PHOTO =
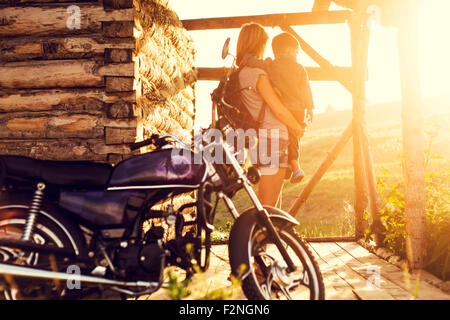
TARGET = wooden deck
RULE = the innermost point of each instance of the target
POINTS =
(350, 272)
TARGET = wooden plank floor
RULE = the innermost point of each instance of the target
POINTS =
(350, 272)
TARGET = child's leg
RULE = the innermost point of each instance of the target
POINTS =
(294, 164)
(292, 152)
(294, 155)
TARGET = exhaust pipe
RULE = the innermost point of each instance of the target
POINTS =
(19, 271)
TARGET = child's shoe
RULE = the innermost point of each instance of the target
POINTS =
(297, 176)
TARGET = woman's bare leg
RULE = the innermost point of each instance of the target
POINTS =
(269, 189)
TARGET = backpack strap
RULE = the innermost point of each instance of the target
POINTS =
(262, 112)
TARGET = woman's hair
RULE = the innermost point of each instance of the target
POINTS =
(252, 40)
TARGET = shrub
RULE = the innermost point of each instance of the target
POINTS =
(437, 219)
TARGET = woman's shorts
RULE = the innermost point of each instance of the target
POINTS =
(270, 154)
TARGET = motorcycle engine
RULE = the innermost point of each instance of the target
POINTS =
(141, 260)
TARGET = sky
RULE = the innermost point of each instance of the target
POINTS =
(333, 43)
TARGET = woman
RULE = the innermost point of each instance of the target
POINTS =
(257, 90)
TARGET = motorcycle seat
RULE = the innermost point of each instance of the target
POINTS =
(80, 174)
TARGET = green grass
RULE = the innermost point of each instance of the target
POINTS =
(328, 211)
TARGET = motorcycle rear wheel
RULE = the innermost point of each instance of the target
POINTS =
(48, 231)
(257, 262)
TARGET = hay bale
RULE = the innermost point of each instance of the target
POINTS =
(166, 75)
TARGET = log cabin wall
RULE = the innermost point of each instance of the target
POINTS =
(80, 79)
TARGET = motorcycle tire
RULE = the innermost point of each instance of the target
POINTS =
(51, 228)
(257, 262)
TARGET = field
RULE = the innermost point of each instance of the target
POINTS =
(329, 209)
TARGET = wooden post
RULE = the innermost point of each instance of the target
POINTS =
(360, 203)
(362, 154)
(413, 138)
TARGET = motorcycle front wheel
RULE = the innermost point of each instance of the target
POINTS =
(257, 262)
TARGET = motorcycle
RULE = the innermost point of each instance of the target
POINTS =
(104, 225)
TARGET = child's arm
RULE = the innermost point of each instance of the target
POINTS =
(267, 92)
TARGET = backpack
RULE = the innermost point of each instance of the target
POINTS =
(235, 111)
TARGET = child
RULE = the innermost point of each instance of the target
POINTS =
(290, 80)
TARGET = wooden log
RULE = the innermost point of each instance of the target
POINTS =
(129, 123)
(38, 2)
(116, 84)
(102, 149)
(57, 19)
(119, 135)
(324, 166)
(117, 4)
(59, 99)
(48, 74)
(118, 55)
(314, 73)
(117, 69)
(118, 29)
(55, 149)
(120, 110)
(269, 20)
(114, 158)
(60, 73)
(41, 125)
(60, 124)
(25, 48)
(413, 140)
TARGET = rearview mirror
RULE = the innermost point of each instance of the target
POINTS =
(226, 48)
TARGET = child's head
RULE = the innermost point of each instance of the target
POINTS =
(284, 43)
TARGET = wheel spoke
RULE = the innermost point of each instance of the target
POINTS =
(268, 262)
(286, 293)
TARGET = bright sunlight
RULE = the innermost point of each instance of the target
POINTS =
(332, 42)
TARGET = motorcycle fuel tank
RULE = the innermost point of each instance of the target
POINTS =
(166, 167)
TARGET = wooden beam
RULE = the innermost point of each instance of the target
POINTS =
(270, 20)
(325, 165)
(321, 61)
(314, 73)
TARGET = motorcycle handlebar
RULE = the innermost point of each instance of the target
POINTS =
(146, 142)
(156, 140)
